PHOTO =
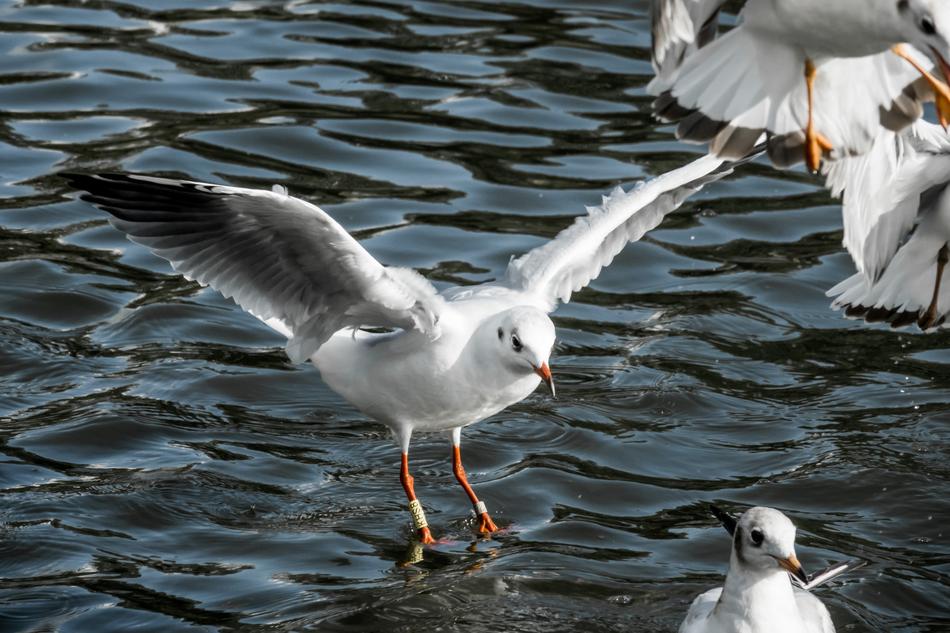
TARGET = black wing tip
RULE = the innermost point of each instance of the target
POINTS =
(102, 182)
(111, 178)
(100, 188)
(75, 179)
(894, 317)
(89, 185)
(129, 183)
(147, 198)
(736, 144)
(102, 175)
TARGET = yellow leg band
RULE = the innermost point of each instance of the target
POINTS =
(418, 516)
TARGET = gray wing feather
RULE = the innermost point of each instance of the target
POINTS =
(280, 258)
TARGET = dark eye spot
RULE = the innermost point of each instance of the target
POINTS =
(516, 343)
(501, 334)
(757, 537)
(927, 25)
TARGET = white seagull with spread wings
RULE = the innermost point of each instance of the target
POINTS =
(818, 77)
(452, 358)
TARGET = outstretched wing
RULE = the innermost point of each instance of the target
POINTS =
(577, 254)
(282, 259)
(882, 191)
(678, 27)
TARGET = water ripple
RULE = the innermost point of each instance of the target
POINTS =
(164, 467)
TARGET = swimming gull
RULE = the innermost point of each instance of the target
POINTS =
(811, 581)
(758, 595)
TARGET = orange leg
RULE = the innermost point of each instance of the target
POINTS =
(415, 508)
(815, 143)
(940, 89)
(486, 526)
(929, 318)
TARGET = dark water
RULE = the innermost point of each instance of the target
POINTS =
(165, 468)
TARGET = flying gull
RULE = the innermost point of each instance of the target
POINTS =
(818, 77)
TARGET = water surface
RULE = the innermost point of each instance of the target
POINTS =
(163, 466)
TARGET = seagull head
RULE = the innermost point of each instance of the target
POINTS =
(764, 542)
(525, 338)
(926, 25)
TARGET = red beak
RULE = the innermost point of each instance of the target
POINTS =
(545, 372)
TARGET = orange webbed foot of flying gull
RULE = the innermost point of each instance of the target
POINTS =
(816, 144)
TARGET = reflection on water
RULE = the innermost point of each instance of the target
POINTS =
(162, 458)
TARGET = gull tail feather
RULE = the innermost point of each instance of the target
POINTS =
(902, 293)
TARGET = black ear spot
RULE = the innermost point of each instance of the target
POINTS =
(903, 5)
(757, 537)
(501, 334)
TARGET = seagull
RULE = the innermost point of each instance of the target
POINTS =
(897, 228)
(448, 359)
(860, 61)
(758, 595)
(818, 579)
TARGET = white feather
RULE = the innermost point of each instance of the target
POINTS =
(555, 270)
(882, 191)
(907, 283)
(280, 258)
(896, 218)
(675, 30)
